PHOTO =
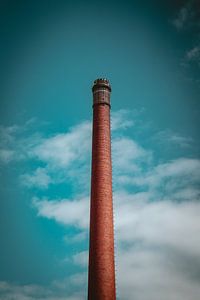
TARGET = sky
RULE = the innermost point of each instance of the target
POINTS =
(51, 52)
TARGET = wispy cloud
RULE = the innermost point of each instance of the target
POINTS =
(156, 228)
(64, 211)
(176, 174)
(194, 53)
(121, 119)
(193, 56)
(182, 17)
(160, 252)
(6, 155)
(16, 142)
(7, 138)
(71, 288)
(63, 156)
(170, 138)
(75, 237)
(127, 154)
(187, 22)
(39, 178)
(156, 212)
(81, 258)
(188, 16)
(62, 150)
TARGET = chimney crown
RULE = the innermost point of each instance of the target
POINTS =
(101, 83)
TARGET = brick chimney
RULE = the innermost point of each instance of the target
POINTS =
(101, 278)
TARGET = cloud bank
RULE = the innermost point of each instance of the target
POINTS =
(156, 208)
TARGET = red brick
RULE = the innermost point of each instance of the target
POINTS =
(101, 278)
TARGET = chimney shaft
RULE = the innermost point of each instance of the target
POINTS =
(101, 279)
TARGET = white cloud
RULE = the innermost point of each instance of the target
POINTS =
(191, 61)
(188, 16)
(65, 156)
(192, 57)
(70, 151)
(7, 134)
(121, 120)
(194, 54)
(75, 238)
(158, 223)
(81, 258)
(72, 287)
(179, 167)
(64, 149)
(148, 274)
(158, 247)
(168, 137)
(64, 211)
(127, 158)
(10, 291)
(76, 280)
(15, 144)
(187, 20)
(156, 229)
(39, 178)
(156, 216)
(6, 155)
(173, 175)
(182, 17)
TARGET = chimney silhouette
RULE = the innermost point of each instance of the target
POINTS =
(101, 277)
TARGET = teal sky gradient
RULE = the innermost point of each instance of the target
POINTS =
(51, 52)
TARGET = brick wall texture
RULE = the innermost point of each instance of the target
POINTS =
(101, 279)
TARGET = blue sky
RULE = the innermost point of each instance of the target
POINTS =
(51, 52)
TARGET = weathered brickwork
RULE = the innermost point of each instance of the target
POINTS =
(101, 284)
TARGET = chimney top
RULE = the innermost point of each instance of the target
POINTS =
(101, 83)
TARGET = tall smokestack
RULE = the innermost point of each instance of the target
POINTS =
(101, 279)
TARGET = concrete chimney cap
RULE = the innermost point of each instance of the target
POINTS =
(101, 82)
